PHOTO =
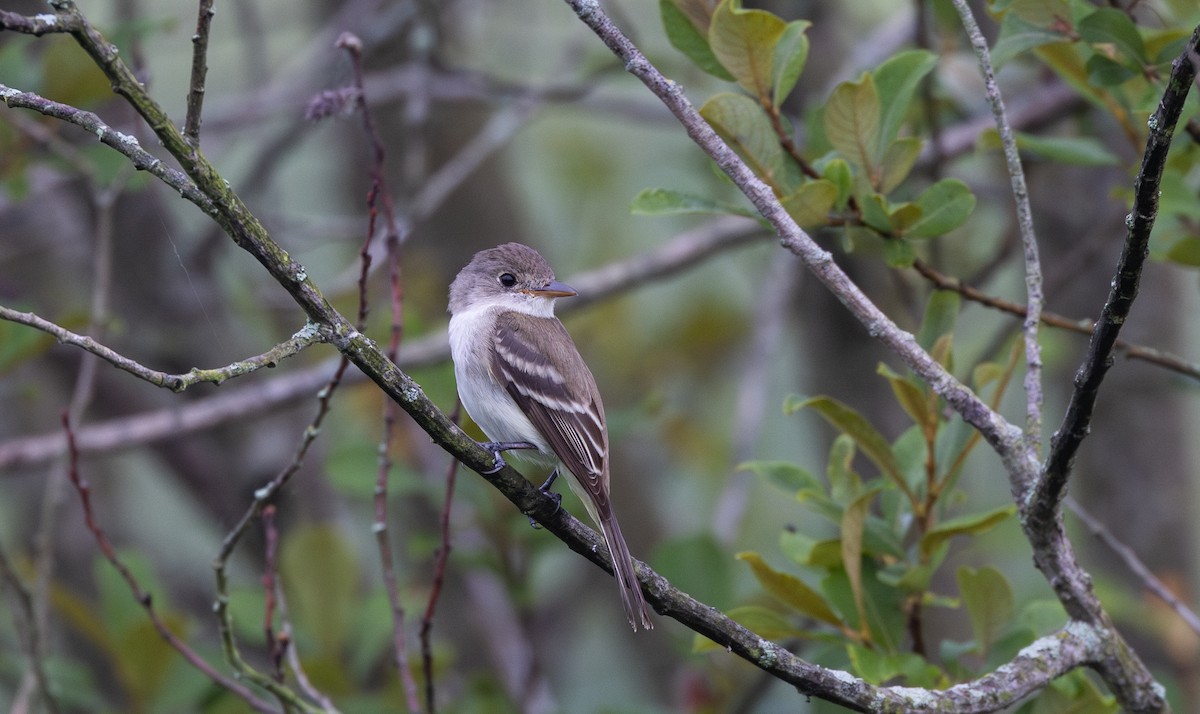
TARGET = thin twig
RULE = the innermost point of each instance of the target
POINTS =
(1135, 565)
(195, 97)
(1033, 267)
(142, 597)
(439, 577)
(276, 647)
(1160, 358)
(23, 615)
(380, 195)
(306, 336)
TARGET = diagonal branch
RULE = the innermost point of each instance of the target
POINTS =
(1045, 499)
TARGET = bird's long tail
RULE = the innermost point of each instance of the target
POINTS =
(636, 608)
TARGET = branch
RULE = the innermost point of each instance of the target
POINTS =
(195, 98)
(1135, 565)
(125, 144)
(175, 382)
(1043, 502)
(1163, 359)
(1033, 267)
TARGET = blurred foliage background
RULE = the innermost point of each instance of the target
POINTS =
(556, 141)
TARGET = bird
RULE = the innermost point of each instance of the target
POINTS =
(524, 383)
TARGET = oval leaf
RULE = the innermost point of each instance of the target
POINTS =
(790, 590)
(784, 474)
(689, 39)
(989, 601)
(810, 204)
(971, 524)
(854, 425)
(665, 202)
(852, 122)
(946, 205)
(744, 43)
(791, 54)
(896, 81)
(743, 125)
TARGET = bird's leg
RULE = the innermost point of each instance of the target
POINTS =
(496, 447)
(556, 497)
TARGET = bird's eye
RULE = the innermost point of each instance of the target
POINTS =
(508, 280)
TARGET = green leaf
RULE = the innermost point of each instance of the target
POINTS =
(911, 397)
(1105, 72)
(878, 668)
(1077, 150)
(810, 204)
(690, 40)
(1050, 14)
(790, 590)
(1112, 34)
(744, 125)
(897, 163)
(876, 212)
(903, 216)
(837, 172)
(851, 423)
(1185, 251)
(1018, 36)
(897, 80)
(804, 550)
(971, 524)
(852, 122)
(941, 312)
(899, 253)
(989, 602)
(845, 484)
(791, 54)
(784, 474)
(666, 202)
(320, 573)
(853, 521)
(744, 41)
(946, 205)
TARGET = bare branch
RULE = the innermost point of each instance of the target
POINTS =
(1045, 499)
(1160, 358)
(195, 98)
(125, 144)
(307, 336)
(1033, 266)
(1135, 565)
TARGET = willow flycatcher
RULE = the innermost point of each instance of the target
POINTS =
(522, 380)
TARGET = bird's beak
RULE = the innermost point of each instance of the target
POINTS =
(553, 289)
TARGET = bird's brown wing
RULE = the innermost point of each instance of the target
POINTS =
(536, 360)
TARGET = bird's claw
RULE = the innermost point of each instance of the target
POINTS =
(498, 447)
(556, 497)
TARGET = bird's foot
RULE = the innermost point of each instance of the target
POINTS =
(556, 497)
(497, 447)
